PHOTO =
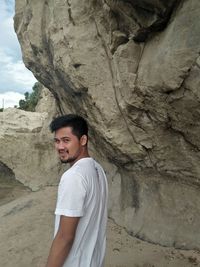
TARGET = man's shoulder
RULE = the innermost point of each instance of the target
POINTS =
(82, 165)
(70, 173)
(82, 168)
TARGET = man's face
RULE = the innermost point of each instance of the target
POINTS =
(68, 145)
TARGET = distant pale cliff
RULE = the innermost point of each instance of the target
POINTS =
(132, 68)
(26, 146)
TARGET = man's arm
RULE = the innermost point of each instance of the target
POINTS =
(63, 241)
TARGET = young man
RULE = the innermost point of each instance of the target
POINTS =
(81, 210)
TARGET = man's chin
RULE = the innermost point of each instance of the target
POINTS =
(69, 160)
(64, 161)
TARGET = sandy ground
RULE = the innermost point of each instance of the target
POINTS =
(8, 193)
(124, 250)
(26, 228)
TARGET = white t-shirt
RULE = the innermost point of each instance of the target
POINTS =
(83, 192)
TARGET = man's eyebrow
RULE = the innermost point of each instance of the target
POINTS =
(62, 138)
(65, 137)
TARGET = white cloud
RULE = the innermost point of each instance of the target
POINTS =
(8, 41)
(13, 74)
(10, 99)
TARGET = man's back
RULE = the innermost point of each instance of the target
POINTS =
(83, 192)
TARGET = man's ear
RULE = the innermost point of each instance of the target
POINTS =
(84, 140)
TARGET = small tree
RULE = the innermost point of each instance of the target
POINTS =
(31, 99)
(26, 96)
(23, 104)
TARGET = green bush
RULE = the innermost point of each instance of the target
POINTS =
(31, 99)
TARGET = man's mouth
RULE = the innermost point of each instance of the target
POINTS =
(63, 153)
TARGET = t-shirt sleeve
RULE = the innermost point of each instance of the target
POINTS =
(71, 196)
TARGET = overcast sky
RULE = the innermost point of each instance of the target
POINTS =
(15, 79)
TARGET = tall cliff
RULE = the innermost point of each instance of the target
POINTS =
(132, 68)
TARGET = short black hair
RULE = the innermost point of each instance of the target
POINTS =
(77, 123)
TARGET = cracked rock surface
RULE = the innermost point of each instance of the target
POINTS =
(132, 69)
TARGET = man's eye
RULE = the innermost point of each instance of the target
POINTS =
(65, 140)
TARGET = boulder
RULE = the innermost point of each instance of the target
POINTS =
(131, 68)
(27, 149)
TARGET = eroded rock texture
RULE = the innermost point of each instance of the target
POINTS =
(132, 69)
(26, 148)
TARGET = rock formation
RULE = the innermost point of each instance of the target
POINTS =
(27, 151)
(132, 68)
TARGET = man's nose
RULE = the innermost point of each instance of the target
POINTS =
(60, 145)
